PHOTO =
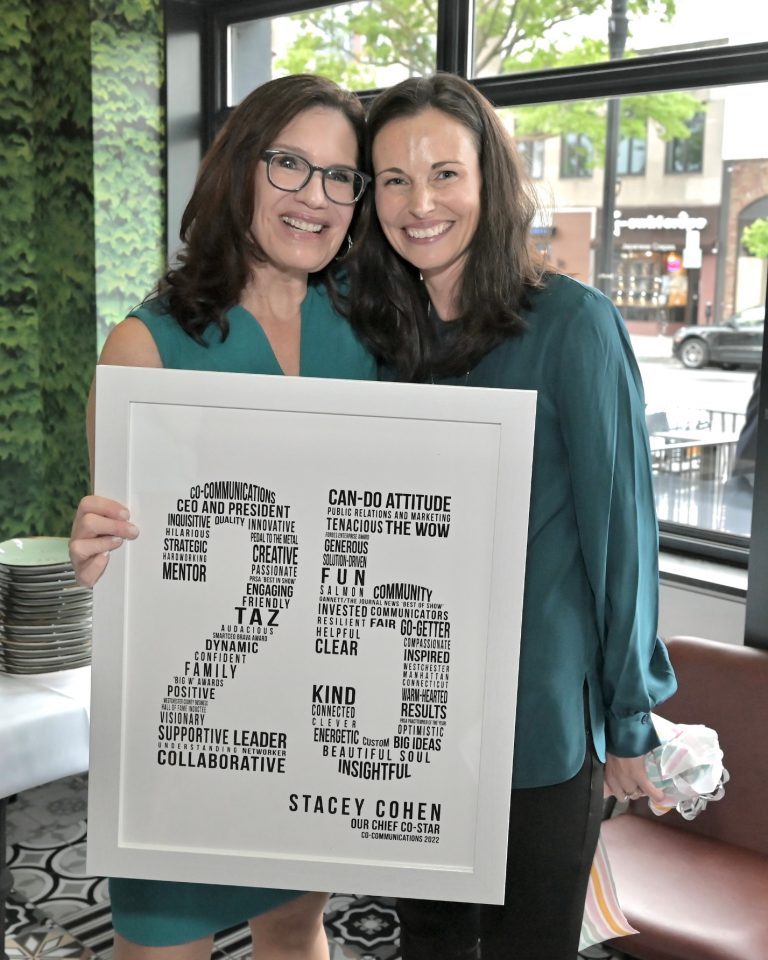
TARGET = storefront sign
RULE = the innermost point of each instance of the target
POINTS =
(305, 667)
(657, 222)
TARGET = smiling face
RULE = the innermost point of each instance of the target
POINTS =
(301, 232)
(428, 185)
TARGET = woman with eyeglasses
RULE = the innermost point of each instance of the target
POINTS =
(255, 290)
(450, 290)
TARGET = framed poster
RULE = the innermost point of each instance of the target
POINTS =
(305, 667)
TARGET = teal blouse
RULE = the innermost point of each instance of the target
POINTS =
(591, 586)
(328, 346)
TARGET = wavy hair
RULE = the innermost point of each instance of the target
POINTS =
(389, 304)
(219, 247)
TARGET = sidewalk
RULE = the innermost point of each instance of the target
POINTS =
(651, 347)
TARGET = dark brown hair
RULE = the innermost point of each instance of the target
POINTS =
(389, 303)
(219, 247)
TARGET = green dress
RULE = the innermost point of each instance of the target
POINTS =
(590, 605)
(161, 913)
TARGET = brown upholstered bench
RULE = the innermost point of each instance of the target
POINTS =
(698, 890)
(690, 896)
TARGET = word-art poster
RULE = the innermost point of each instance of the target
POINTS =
(305, 666)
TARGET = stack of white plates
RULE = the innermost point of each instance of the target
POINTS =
(45, 617)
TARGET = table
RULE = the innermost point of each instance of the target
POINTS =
(44, 726)
(708, 451)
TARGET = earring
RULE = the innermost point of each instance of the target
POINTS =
(343, 256)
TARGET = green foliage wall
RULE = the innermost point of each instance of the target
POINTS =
(47, 329)
(63, 171)
(128, 154)
(20, 397)
(53, 232)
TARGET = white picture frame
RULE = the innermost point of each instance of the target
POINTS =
(254, 724)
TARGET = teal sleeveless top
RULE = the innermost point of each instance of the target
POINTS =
(161, 913)
(329, 348)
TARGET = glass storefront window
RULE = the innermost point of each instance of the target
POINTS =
(362, 46)
(630, 160)
(687, 269)
(686, 154)
(512, 37)
(576, 155)
(532, 152)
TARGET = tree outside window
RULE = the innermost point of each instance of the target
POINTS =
(363, 45)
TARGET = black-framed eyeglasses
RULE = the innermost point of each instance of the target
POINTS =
(288, 172)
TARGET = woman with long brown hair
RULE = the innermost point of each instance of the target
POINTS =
(447, 289)
(255, 291)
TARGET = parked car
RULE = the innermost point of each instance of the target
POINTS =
(737, 342)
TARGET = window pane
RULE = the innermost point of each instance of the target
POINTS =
(576, 155)
(359, 45)
(686, 266)
(630, 161)
(532, 152)
(510, 37)
(686, 154)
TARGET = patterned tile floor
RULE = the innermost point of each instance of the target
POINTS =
(56, 912)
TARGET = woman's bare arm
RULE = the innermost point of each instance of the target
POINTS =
(101, 524)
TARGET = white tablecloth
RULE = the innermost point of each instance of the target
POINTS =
(44, 721)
